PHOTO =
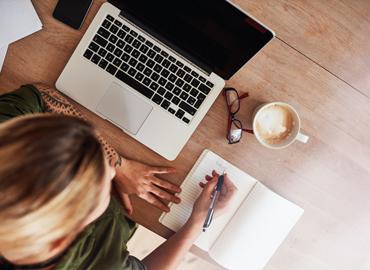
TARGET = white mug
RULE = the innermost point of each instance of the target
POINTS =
(295, 133)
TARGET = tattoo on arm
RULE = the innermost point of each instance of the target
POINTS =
(55, 102)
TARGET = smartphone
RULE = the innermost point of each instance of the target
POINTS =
(72, 12)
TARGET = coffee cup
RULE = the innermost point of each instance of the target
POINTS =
(276, 125)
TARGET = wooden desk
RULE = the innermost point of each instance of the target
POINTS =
(329, 177)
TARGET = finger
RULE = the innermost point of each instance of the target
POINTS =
(210, 187)
(127, 203)
(165, 184)
(164, 195)
(208, 177)
(215, 174)
(155, 201)
(161, 170)
(202, 185)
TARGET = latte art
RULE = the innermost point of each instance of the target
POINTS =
(274, 124)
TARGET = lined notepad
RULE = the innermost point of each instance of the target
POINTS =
(257, 222)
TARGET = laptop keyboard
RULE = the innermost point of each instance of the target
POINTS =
(163, 78)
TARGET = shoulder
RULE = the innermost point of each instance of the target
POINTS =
(24, 100)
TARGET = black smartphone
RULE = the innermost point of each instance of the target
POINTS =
(72, 12)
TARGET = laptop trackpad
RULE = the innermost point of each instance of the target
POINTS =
(124, 108)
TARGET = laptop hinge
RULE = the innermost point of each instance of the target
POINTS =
(165, 42)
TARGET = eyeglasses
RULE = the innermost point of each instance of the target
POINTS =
(234, 127)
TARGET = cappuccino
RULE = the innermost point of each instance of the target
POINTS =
(274, 124)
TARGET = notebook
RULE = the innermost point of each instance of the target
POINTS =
(256, 224)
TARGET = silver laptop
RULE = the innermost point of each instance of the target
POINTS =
(154, 68)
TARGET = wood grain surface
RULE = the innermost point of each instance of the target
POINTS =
(325, 79)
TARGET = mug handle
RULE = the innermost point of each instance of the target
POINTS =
(302, 138)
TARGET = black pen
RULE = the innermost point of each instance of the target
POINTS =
(212, 207)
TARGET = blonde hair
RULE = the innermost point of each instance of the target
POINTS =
(51, 172)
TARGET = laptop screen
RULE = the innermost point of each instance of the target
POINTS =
(212, 33)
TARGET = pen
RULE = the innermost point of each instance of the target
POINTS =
(212, 207)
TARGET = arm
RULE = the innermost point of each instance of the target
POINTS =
(169, 255)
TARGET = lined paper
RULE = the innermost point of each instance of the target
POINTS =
(180, 213)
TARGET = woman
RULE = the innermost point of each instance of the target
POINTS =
(56, 208)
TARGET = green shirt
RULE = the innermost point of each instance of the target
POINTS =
(102, 245)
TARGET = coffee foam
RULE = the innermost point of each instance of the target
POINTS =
(274, 124)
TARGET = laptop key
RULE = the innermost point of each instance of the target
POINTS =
(194, 92)
(110, 47)
(157, 99)
(179, 82)
(111, 69)
(132, 62)
(114, 29)
(141, 38)
(186, 87)
(126, 28)
(187, 69)
(172, 59)
(106, 24)
(165, 73)
(118, 23)
(151, 53)
(188, 78)
(180, 73)
(168, 95)
(156, 48)
(144, 48)
(154, 86)
(132, 32)
(94, 47)
(140, 67)
(176, 91)
(117, 62)
(166, 63)
(209, 84)
(103, 32)
(191, 100)
(147, 71)
(157, 68)
(186, 107)
(195, 82)
(164, 54)
(136, 44)
(150, 63)
(180, 113)
(113, 39)
(120, 43)
(175, 100)
(129, 39)
(121, 34)
(172, 78)
(161, 91)
(132, 71)
(148, 43)
(202, 79)
(88, 53)
(194, 74)
(155, 76)
(135, 53)
(169, 86)
(158, 58)
(184, 96)
(162, 81)
(95, 59)
(171, 110)
(179, 64)
(102, 52)
(147, 81)
(103, 63)
(204, 89)
(125, 66)
(139, 76)
(143, 58)
(118, 52)
(173, 68)
(125, 57)
(128, 48)
(200, 100)
(109, 17)
(99, 40)
(165, 104)
(134, 84)
(109, 57)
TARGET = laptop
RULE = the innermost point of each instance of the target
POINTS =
(154, 68)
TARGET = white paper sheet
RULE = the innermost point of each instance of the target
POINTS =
(18, 19)
(190, 191)
(3, 51)
(256, 230)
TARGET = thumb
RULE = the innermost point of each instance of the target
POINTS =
(210, 186)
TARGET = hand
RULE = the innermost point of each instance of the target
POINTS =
(133, 177)
(201, 205)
